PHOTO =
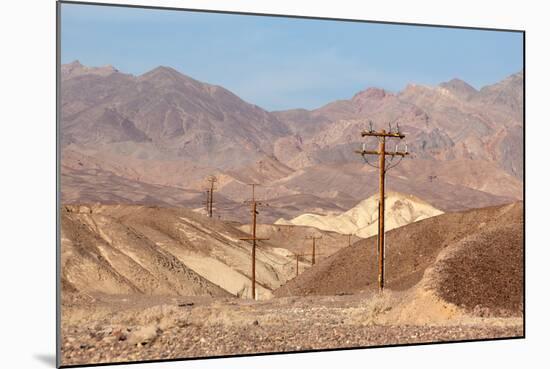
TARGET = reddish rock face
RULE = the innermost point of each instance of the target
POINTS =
(370, 93)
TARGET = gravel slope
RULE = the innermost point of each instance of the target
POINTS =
(486, 260)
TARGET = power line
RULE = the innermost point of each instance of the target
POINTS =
(269, 258)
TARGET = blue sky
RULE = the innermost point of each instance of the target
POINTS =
(283, 63)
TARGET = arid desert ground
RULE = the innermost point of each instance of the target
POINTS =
(147, 274)
(168, 283)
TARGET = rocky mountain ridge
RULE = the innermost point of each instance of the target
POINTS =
(160, 134)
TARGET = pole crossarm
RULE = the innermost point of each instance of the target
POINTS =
(382, 134)
(390, 153)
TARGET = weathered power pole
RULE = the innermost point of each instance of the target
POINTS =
(382, 153)
(297, 265)
(349, 239)
(210, 198)
(298, 256)
(207, 202)
(253, 208)
(313, 238)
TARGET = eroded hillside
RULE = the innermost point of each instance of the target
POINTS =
(362, 219)
(470, 259)
(161, 251)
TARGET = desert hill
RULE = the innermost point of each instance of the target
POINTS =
(101, 257)
(121, 249)
(471, 259)
(292, 238)
(362, 219)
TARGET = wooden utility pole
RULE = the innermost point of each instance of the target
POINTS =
(382, 153)
(210, 198)
(298, 256)
(313, 238)
(297, 265)
(207, 202)
(253, 208)
(349, 239)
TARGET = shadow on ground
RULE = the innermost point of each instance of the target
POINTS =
(48, 359)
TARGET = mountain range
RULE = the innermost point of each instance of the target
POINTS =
(153, 139)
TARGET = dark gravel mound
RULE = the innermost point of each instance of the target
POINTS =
(411, 249)
(485, 274)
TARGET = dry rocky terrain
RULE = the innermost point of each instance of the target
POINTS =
(145, 274)
(199, 327)
(452, 277)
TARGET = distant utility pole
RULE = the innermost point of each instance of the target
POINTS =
(207, 202)
(210, 197)
(298, 256)
(349, 239)
(313, 238)
(297, 265)
(382, 153)
(253, 208)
